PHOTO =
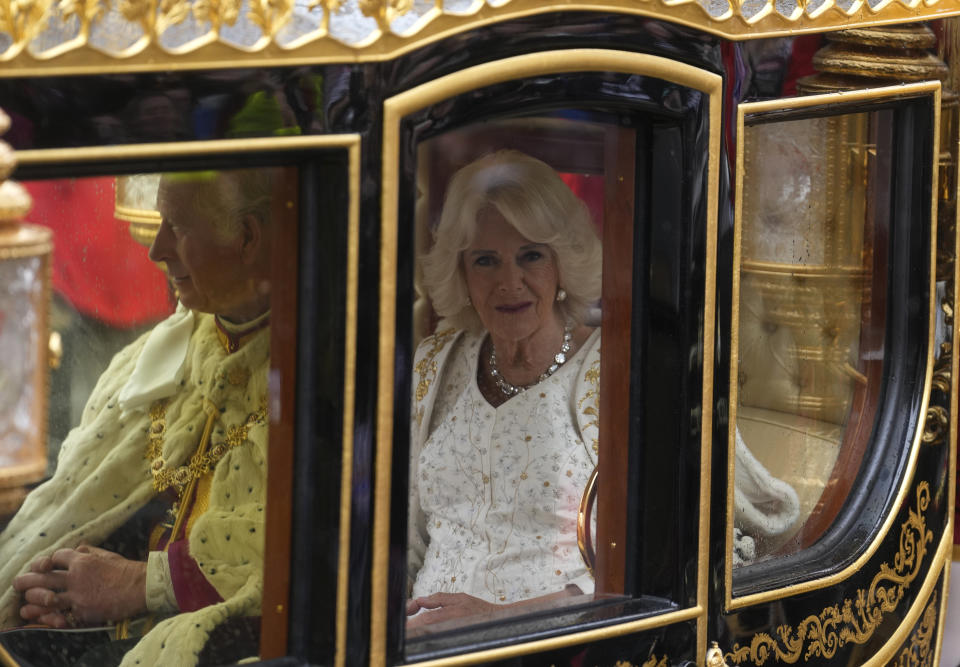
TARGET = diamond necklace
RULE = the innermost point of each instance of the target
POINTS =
(559, 359)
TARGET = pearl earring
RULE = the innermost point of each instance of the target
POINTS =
(469, 302)
(561, 294)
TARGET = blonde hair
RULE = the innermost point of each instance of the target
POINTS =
(533, 198)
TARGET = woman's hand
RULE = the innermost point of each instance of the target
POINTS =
(82, 586)
(445, 606)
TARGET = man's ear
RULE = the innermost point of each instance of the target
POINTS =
(251, 237)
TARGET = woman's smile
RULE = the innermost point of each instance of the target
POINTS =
(514, 308)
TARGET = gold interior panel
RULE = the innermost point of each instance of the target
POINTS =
(809, 319)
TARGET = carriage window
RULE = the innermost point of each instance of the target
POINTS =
(816, 201)
(531, 488)
(158, 425)
(504, 442)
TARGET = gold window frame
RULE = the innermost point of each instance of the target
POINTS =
(433, 92)
(933, 89)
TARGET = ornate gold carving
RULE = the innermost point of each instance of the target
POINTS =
(919, 651)
(858, 58)
(15, 203)
(715, 656)
(21, 21)
(650, 662)
(822, 635)
(384, 11)
(936, 426)
(852, 61)
(911, 36)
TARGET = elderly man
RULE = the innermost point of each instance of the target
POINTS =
(156, 506)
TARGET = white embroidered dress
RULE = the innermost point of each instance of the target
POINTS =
(495, 490)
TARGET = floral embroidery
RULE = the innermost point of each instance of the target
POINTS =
(592, 377)
(498, 489)
(426, 368)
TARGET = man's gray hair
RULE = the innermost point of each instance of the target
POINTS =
(228, 196)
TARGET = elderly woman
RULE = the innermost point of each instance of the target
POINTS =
(156, 506)
(503, 437)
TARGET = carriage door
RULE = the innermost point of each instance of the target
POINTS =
(839, 471)
(637, 138)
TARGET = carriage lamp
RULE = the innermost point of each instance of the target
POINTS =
(136, 203)
(25, 251)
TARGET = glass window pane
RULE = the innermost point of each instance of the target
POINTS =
(545, 495)
(811, 322)
(505, 398)
(154, 511)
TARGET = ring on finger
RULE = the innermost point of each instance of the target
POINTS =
(71, 619)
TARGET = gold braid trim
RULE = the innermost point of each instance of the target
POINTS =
(592, 376)
(426, 368)
(205, 458)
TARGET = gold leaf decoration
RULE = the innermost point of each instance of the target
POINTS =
(650, 662)
(23, 20)
(85, 11)
(172, 12)
(936, 426)
(919, 651)
(218, 12)
(270, 15)
(142, 12)
(822, 635)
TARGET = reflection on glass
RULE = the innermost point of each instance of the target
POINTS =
(152, 524)
(810, 327)
(504, 414)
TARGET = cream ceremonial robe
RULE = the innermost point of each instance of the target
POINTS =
(495, 491)
(103, 477)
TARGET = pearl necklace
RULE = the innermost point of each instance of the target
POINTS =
(559, 359)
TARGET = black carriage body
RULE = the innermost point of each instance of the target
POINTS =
(861, 592)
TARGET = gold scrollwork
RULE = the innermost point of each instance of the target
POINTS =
(384, 11)
(155, 16)
(936, 426)
(823, 634)
(22, 20)
(650, 662)
(919, 651)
